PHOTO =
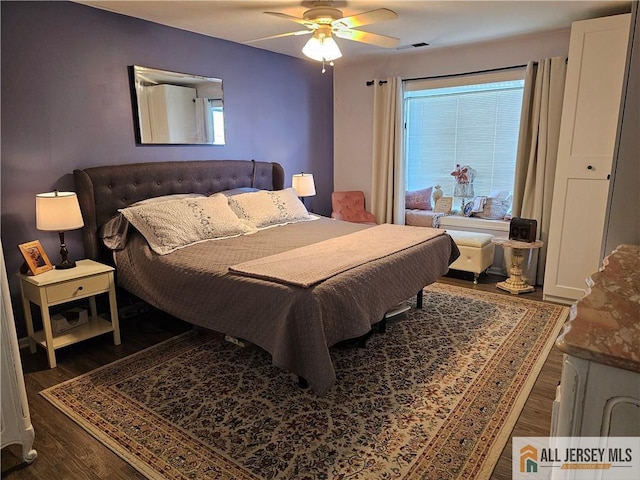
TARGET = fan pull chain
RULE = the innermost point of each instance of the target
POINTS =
(323, 67)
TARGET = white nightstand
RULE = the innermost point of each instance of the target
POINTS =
(55, 287)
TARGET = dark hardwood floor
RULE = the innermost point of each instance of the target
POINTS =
(66, 451)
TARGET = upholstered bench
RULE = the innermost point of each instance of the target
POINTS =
(476, 252)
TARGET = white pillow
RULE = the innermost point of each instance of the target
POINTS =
(265, 208)
(114, 232)
(173, 224)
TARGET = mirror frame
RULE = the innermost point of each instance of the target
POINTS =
(201, 128)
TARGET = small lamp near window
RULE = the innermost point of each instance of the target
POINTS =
(303, 184)
(58, 212)
(465, 175)
(463, 191)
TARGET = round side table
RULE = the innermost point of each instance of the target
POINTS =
(515, 283)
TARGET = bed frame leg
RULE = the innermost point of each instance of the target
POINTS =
(382, 325)
(419, 299)
(302, 382)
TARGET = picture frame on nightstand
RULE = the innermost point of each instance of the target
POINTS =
(35, 258)
(443, 205)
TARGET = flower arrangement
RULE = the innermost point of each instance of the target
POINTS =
(461, 174)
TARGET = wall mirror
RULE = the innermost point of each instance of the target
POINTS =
(178, 108)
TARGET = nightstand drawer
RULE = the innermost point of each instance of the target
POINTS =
(77, 288)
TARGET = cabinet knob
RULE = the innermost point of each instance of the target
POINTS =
(590, 167)
(80, 287)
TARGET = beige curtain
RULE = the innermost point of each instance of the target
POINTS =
(538, 147)
(387, 188)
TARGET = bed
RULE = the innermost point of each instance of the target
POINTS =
(296, 323)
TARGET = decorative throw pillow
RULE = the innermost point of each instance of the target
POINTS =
(418, 199)
(168, 226)
(266, 208)
(494, 209)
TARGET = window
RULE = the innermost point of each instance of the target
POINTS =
(472, 120)
(218, 125)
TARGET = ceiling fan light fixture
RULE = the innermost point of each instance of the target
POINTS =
(313, 49)
(321, 48)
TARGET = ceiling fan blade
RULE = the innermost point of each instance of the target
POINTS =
(366, 18)
(288, 34)
(301, 21)
(367, 37)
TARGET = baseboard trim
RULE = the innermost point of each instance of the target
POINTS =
(557, 299)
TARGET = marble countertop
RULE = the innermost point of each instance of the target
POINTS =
(604, 325)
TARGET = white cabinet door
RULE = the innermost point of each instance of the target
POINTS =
(15, 421)
(596, 400)
(591, 106)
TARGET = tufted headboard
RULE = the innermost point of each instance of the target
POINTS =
(103, 190)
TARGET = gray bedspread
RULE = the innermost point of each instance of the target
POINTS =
(295, 325)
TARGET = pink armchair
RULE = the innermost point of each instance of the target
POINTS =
(349, 206)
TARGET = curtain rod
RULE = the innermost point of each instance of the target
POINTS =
(452, 75)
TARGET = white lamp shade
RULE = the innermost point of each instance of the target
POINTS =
(322, 49)
(331, 51)
(313, 49)
(58, 211)
(303, 184)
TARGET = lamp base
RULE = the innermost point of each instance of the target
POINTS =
(65, 264)
(462, 203)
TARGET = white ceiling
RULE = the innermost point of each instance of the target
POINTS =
(438, 23)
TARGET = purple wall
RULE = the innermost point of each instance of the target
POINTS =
(66, 104)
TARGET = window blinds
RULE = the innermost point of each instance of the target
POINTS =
(474, 124)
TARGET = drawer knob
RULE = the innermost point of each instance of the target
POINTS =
(590, 167)
(80, 287)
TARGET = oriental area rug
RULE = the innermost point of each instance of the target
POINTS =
(435, 396)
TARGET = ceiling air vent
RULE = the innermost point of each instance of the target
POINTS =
(413, 45)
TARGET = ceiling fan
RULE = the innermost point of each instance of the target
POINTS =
(323, 21)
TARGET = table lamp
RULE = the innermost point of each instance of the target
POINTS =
(465, 175)
(303, 185)
(463, 191)
(58, 212)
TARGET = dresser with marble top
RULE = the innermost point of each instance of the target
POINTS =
(599, 393)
